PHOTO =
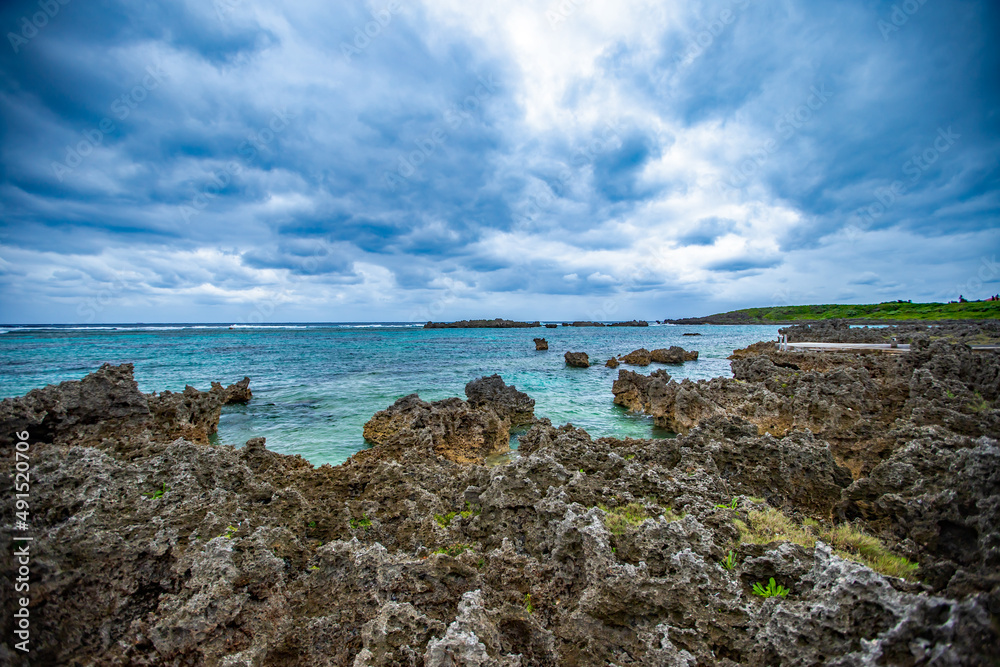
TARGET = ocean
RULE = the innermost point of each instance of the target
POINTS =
(315, 385)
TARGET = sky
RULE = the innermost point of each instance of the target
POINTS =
(264, 161)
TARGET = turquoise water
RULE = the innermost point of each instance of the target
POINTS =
(315, 385)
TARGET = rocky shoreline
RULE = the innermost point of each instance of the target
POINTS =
(866, 485)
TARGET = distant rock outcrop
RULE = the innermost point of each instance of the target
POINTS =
(482, 324)
(631, 323)
(541, 344)
(577, 359)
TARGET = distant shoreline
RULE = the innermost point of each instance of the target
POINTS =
(893, 312)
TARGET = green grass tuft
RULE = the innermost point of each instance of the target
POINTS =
(848, 541)
(619, 520)
(453, 550)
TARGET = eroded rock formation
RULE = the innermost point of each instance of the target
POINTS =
(157, 550)
(577, 359)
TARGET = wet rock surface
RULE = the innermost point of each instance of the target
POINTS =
(580, 551)
(577, 359)
(541, 344)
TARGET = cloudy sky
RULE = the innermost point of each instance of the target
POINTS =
(257, 160)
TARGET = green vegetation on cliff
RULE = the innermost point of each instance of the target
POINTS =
(891, 311)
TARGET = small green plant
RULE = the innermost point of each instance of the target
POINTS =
(314, 567)
(850, 542)
(153, 495)
(527, 603)
(312, 524)
(444, 520)
(230, 531)
(481, 563)
(730, 506)
(364, 523)
(771, 590)
(629, 457)
(624, 517)
(453, 550)
(470, 511)
(854, 544)
(949, 394)
(729, 562)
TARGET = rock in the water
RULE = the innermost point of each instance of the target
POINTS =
(551, 325)
(673, 355)
(612, 363)
(450, 428)
(640, 357)
(236, 393)
(505, 400)
(577, 359)
(632, 390)
(630, 323)
(108, 403)
(541, 344)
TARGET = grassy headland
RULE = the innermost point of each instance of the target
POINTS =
(893, 311)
